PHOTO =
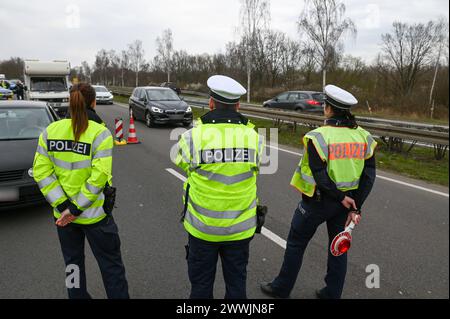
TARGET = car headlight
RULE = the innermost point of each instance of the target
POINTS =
(65, 100)
(189, 110)
(156, 110)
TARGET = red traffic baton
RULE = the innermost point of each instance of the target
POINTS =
(343, 241)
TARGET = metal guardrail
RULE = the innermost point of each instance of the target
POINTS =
(417, 132)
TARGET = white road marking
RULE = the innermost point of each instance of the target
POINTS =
(284, 150)
(176, 174)
(413, 186)
(264, 231)
(379, 176)
(274, 237)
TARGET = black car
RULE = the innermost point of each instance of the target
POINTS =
(302, 101)
(21, 123)
(157, 105)
(172, 86)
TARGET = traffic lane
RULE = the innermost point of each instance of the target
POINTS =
(271, 259)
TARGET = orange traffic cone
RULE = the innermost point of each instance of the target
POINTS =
(132, 138)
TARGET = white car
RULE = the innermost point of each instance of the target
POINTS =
(103, 96)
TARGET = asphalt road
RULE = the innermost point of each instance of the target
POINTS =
(405, 232)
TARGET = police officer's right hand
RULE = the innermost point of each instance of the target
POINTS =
(349, 203)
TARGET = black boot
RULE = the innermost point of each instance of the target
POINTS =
(266, 288)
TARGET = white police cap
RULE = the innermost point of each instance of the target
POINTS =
(225, 90)
(339, 98)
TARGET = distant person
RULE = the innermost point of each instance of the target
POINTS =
(20, 89)
(73, 169)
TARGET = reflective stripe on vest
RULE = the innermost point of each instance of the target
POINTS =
(309, 179)
(54, 194)
(85, 202)
(71, 165)
(222, 231)
(47, 181)
(229, 214)
(321, 140)
(224, 179)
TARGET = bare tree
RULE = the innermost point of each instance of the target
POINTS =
(165, 50)
(323, 23)
(86, 70)
(114, 64)
(441, 31)
(101, 64)
(407, 50)
(255, 17)
(136, 55)
(309, 64)
(124, 65)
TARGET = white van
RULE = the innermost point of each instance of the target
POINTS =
(49, 82)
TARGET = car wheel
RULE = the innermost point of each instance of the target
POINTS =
(187, 124)
(265, 105)
(148, 119)
(298, 109)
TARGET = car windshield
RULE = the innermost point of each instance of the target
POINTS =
(48, 84)
(100, 89)
(162, 95)
(22, 123)
(319, 97)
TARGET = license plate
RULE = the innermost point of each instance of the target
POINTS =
(55, 104)
(9, 194)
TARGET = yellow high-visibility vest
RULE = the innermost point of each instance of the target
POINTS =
(343, 149)
(65, 170)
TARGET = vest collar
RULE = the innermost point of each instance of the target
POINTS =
(224, 116)
(337, 121)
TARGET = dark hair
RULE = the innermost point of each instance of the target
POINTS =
(349, 117)
(81, 96)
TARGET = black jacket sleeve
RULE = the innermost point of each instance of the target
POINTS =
(366, 182)
(320, 174)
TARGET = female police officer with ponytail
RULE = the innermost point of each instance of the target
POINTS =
(72, 166)
(335, 176)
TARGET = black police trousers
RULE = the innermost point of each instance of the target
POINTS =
(104, 240)
(307, 218)
(202, 259)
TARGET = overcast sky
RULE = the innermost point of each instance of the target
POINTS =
(77, 29)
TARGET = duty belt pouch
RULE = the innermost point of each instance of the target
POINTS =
(261, 212)
(110, 198)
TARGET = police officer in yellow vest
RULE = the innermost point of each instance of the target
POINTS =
(72, 166)
(221, 156)
(335, 176)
